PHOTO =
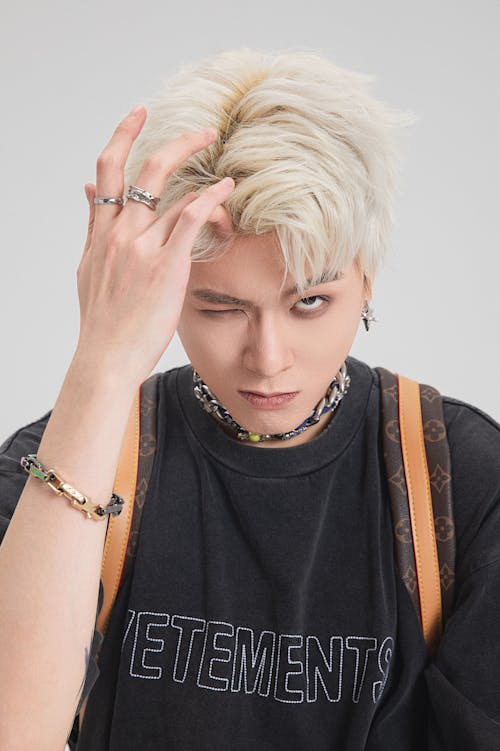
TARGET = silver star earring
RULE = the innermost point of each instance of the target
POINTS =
(367, 315)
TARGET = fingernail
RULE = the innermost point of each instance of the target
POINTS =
(227, 181)
(136, 110)
(211, 132)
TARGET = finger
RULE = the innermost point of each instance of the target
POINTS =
(158, 233)
(154, 172)
(90, 193)
(111, 164)
(221, 219)
(194, 215)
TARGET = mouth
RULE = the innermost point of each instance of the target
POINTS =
(268, 401)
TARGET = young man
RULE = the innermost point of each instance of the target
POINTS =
(264, 609)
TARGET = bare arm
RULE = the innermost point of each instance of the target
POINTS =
(132, 282)
(50, 562)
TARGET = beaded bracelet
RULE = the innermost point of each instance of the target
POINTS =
(31, 464)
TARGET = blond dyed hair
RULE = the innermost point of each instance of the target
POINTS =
(312, 153)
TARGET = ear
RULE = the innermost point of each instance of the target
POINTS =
(367, 288)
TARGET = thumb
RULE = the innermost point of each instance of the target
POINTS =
(89, 189)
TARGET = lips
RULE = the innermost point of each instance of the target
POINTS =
(266, 396)
(272, 401)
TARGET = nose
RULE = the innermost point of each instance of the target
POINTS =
(268, 349)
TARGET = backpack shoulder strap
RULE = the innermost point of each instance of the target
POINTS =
(417, 460)
(131, 482)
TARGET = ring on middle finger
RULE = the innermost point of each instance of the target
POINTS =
(143, 196)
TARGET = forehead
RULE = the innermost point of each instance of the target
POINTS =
(247, 257)
(224, 292)
(243, 253)
(249, 271)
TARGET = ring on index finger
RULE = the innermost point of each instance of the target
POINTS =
(101, 200)
(143, 196)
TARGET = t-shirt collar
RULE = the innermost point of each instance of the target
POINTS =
(289, 460)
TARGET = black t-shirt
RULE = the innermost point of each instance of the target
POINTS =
(265, 608)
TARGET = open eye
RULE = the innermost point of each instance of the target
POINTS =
(309, 303)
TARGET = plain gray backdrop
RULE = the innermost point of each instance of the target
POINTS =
(71, 70)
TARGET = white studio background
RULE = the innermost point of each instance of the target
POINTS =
(71, 70)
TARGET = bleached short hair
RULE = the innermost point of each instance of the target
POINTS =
(312, 153)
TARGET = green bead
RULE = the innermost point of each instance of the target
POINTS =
(254, 437)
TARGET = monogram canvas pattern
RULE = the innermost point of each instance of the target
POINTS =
(147, 449)
(439, 468)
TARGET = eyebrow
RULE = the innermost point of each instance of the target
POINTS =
(221, 298)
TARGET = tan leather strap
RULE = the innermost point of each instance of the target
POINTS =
(421, 511)
(118, 530)
(420, 503)
(119, 526)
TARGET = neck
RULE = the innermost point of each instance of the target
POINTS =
(297, 440)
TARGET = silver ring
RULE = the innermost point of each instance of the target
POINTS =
(143, 196)
(119, 201)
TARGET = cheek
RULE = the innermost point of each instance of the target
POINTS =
(188, 331)
(350, 327)
(334, 335)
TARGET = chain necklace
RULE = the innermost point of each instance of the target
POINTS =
(335, 392)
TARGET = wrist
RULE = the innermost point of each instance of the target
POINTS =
(100, 373)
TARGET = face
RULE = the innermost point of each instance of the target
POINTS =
(264, 342)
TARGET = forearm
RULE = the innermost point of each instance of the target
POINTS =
(50, 563)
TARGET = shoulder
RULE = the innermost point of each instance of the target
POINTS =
(473, 438)
(464, 418)
(167, 379)
(26, 438)
(474, 443)
(467, 426)
(23, 440)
